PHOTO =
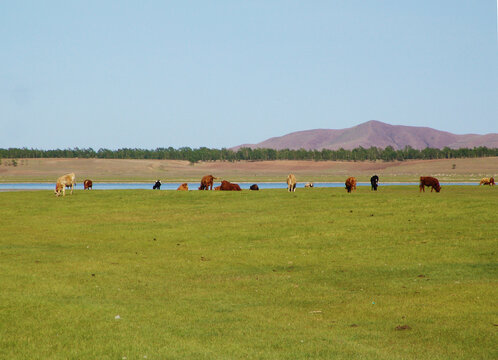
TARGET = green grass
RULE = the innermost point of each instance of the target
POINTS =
(316, 274)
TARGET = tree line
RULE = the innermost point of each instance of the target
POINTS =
(245, 153)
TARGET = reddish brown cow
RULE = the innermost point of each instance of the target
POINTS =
(429, 181)
(87, 184)
(228, 186)
(207, 182)
(183, 187)
(350, 184)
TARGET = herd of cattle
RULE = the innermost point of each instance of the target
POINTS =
(207, 183)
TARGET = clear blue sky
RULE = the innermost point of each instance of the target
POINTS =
(147, 74)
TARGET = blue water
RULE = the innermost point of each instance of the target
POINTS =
(192, 186)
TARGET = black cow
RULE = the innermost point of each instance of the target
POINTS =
(254, 187)
(374, 181)
(157, 185)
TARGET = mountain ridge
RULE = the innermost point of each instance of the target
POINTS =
(375, 133)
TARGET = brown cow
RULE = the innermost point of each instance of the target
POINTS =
(207, 182)
(183, 187)
(218, 188)
(429, 181)
(291, 182)
(350, 184)
(487, 181)
(87, 184)
(228, 186)
(62, 182)
(254, 187)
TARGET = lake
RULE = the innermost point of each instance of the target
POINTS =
(193, 186)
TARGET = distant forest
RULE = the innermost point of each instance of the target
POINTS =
(206, 154)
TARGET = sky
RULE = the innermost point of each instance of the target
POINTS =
(149, 74)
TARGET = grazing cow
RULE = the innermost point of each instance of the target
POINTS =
(309, 185)
(350, 184)
(291, 182)
(183, 187)
(228, 186)
(487, 181)
(87, 184)
(157, 185)
(62, 182)
(207, 182)
(429, 181)
(254, 187)
(374, 181)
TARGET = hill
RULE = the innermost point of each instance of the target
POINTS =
(378, 134)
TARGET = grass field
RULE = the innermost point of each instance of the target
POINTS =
(316, 274)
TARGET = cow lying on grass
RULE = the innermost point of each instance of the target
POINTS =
(309, 185)
(183, 187)
(62, 182)
(487, 181)
(350, 184)
(254, 187)
(429, 181)
(228, 186)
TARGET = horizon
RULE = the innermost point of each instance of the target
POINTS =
(218, 75)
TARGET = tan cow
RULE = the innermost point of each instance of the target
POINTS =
(350, 184)
(62, 182)
(291, 182)
(487, 181)
(183, 187)
(309, 185)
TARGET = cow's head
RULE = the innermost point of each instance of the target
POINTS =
(58, 189)
(437, 188)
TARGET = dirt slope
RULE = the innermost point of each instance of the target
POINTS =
(175, 171)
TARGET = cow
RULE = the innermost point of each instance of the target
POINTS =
(87, 184)
(62, 182)
(228, 186)
(254, 187)
(157, 185)
(350, 184)
(207, 182)
(183, 187)
(218, 187)
(291, 183)
(487, 181)
(429, 181)
(374, 181)
(309, 185)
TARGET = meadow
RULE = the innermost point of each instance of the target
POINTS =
(315, 274)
